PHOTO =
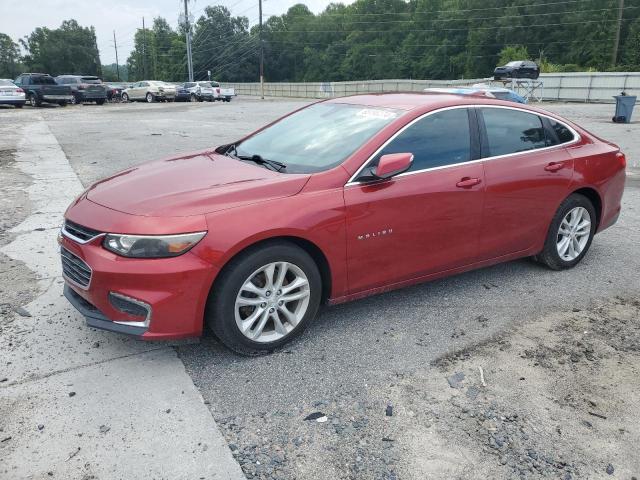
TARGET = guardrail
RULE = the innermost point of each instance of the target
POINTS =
(576, 87)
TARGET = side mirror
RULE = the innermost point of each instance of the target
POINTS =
(389, 166)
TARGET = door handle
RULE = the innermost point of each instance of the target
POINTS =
(467, 182)
(554, 167)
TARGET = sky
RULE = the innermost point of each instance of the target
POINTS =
(21, 18)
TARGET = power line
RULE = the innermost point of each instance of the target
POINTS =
(498, 27)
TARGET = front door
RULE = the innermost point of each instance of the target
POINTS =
(426, 220)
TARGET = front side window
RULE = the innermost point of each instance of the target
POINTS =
(439, 139)
(318, 137)
(511, 131)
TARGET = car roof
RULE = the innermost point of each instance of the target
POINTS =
(412, 101)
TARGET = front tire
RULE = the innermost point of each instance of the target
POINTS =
(33, 100)
(570, 233)
(264, 298)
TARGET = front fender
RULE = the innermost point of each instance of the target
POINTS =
(317, 218)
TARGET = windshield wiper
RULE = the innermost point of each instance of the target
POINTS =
(273, 164)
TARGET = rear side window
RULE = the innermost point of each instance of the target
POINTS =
(512, 131)
(442, 138)
(562, 132)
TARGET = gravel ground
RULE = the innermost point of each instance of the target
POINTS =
(395, 352)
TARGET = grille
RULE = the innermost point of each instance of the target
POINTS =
(78, 231)
(74, 268)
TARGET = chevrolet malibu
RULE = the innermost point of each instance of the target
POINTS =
(339, 200)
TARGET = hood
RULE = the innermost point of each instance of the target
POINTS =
(192, 185)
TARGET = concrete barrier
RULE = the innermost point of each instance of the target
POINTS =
(577, 87)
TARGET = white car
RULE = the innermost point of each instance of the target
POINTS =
(11, 94)
(199, 91)
(150, 91)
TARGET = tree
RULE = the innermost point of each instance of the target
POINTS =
(70, 49)
(512, 53)
(9, 57)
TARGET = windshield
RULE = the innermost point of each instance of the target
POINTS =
(318, 137)
(204, 84)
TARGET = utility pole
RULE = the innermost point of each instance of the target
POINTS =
(616, 43)
(144, 55)
(261, 53)
(188, 35)
(115, 45)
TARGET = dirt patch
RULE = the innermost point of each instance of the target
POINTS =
(560, 399)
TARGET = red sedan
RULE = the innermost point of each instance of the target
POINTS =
(339, 200)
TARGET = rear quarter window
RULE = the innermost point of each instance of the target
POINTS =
(562, 132)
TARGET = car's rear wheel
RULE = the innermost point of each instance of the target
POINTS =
(33, 100)
(125, 97)
(74, 100)
(150, 97)
(570, 234)
(100, 101)
(193, 98)
(264, 298)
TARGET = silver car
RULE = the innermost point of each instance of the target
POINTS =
(150, 91)
(11, 94)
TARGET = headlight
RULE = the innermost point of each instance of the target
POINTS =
(151, 246)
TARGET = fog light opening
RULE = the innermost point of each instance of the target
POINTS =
(131, 306)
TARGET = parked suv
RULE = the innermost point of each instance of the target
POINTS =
(150, 91)
(517, 69)
(84, 88)
(199, 91)
(42, 88)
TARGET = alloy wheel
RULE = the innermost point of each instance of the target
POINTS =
(149, 98)
(573, 234)
(32, 100)
(272, 302)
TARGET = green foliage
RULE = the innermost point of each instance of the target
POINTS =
(367, 39)
(9, 57)
(110, 73)
(70, 49)
(513, 52)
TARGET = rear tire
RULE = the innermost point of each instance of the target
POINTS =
(33, 100)
(150, 98)
(125, 97)
(272, 308)
(566, 244)
(100, 102)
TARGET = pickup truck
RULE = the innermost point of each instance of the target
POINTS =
(42, 88)
(222, 94)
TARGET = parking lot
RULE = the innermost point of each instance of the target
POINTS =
(397, 375)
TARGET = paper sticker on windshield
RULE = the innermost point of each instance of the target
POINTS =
(375, 113)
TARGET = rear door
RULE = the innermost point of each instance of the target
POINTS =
(527, 176)
(425, 220)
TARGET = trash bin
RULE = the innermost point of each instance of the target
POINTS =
(624, 108)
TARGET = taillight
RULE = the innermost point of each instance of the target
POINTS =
(19, 90)
(622, 159)
(217, 90)
(82, 86)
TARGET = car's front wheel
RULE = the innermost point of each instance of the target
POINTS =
(264, 298)
(570, 234)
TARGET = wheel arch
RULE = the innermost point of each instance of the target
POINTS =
(314, 251)
(596, 200)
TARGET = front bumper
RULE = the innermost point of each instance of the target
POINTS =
(175, 290)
